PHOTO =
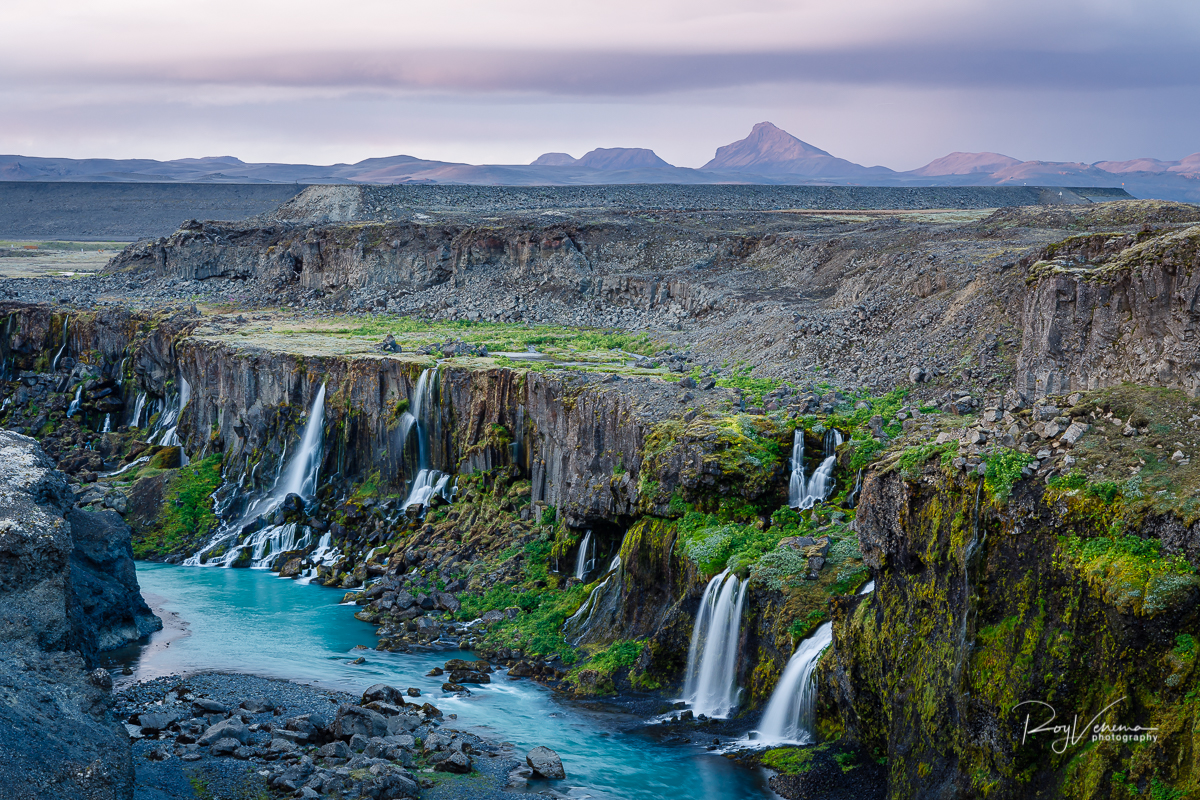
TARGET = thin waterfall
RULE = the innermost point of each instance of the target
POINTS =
(852, 498)
(169, 423)
(299, 477)
(58, 355)
(578, 624)
(429, 480)
(584, 563)
(797, 486)
(107, 424)
(75, 403)
(711, 684)
(138, 405)
(791, 710)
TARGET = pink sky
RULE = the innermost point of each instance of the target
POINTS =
(875, 81)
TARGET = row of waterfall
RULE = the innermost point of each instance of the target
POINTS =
(804, 492)
(710, 687)
(250, 537)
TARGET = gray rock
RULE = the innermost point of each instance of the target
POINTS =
(359, 743)
(335, 749)
(1074, 432)
(206, 706)
(229, 728)
(224, 747)
(157, 721)
(545, 763)
(458, 763)
(258, 705)
(353, 719)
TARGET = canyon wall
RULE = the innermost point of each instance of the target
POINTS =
(1111, 308)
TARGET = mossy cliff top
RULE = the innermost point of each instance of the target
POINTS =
(989, 614)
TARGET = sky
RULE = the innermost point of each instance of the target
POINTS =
(874, 81)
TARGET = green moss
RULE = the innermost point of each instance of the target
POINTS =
(186, 516)
(789, 760)
(1129, 572)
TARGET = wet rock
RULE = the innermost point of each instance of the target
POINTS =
(457, 763)
(383, 693)
(545, 763)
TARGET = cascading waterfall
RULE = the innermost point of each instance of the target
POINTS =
(790, 711)
(260, 547)
(107, 424)
(61, 350)
(852, 498)
(138, 405)
(711, 684)
(788, 718)
(583, 562)
(75, 403)
(168, 423)
(802, 493)
(429, 481)
(579, 623)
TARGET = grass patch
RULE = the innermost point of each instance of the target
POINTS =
(789, 760)
(1130, 572)
(1004, 469)
(186, 516)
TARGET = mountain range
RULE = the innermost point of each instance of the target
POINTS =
(769, 155)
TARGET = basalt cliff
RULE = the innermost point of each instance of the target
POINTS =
(961, 448)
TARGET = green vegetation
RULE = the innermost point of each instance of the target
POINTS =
(912, 461)
(752, 389)
(1131, 573)
(186, 516)
(789, 760)
(1004, 469)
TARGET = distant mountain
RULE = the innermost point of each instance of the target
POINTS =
(554, 160)
(769, 150)
(769, 155)
(966, 164)
(622, 158)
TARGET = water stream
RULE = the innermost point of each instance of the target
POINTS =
(252, 621)
(425, 418)
(804, 492)
(711, 685)
(583, 562)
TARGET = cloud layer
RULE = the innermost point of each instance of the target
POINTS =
(494, 79)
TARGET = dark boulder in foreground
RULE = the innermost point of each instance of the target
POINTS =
(57, 733)
(545, 763)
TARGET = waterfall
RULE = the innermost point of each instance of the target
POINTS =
(804, 494)
(711, 686)
(168, 423)
(58, 355)
(584, 564)
(75, 403)
(138, 405)
(852, 498)
(580, 623)
(299, 477)
(107, 424)
(791, 709)
(424, 418)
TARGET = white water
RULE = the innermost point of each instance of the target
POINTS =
(138, 405)
(429, 481)
(584, 563)
(711, 685)
(58, 355)
(107, 424)
(128, 466)
(805, 493)
(789, 714)
(168, 423)
(299, 477)
(75, 403)
(578, 624)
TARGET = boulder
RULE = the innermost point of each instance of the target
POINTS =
(353, 719)
(224, 747)
(382, 693)
(335, 749)
(457, 763)
(157, 721)
(225, 729)
(545, 763)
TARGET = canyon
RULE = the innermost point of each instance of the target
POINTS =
(840, 488)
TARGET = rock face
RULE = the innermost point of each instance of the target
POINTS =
(104, 585)
(979, 608)
(1110, 308)
(56, 732)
